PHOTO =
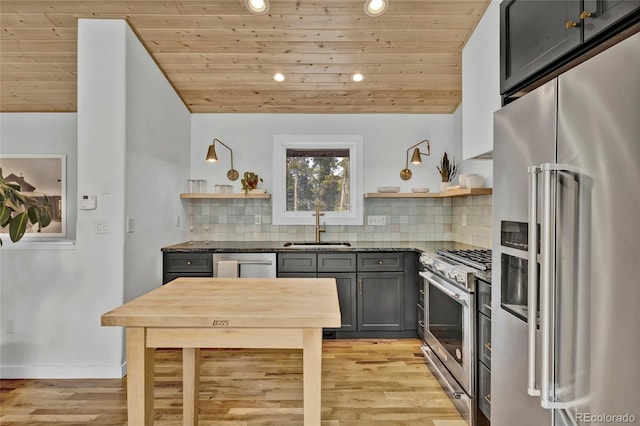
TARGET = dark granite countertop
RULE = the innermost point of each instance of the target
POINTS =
(278, 246)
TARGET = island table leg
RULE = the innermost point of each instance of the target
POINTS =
(139, 378)
(312, 375)
(190, 384)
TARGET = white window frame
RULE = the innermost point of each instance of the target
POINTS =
(279, 198)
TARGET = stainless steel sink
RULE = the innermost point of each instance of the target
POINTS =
(321, 244)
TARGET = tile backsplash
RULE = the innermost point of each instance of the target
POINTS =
(406, 219)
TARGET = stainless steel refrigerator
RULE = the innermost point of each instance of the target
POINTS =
(566, 248)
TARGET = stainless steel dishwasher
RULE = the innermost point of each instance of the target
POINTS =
(250, 265)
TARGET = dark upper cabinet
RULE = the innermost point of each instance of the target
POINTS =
(599, 15)
(533, 34)
(539, 37)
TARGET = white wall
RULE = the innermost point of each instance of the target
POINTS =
(158, 130)
(132, 150)
(481, 91)
(44, 133)
(386, 139)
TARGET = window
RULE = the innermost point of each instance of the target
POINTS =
(322, 170)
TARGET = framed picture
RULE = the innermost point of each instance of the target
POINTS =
(39, 175)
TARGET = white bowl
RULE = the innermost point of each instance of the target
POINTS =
(388, 189)
(476, 181)
(462, 178)
(420, 190)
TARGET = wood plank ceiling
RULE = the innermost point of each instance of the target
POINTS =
(220, 58)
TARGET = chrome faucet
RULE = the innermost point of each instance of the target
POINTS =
(319, 228)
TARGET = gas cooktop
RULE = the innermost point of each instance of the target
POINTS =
(478, 259)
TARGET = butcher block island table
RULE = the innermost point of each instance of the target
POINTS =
(194, 313)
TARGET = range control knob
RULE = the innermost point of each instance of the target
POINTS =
(460, 278)
(439, 267)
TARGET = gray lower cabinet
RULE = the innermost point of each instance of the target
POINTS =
(484, 352)
(371, 286)
(346, 285)
(297, 262)
(484, 390)
(381, 301)
(191, 264)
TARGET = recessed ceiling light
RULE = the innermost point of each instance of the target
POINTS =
(357, 77)
(257, 7)
(375, 7)
(278, 77)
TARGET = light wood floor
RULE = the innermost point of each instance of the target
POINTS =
(364, 382)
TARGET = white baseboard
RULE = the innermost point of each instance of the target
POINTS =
(63, 371)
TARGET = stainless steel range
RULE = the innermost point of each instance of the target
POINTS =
(449, 321)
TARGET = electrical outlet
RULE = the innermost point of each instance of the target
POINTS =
(376, 220)
(11, 327)
(257, 220)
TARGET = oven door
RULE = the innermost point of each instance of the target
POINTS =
(449, 325)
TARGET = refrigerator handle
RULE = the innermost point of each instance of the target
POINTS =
(532, 297)
(549, 173)
(547, 231)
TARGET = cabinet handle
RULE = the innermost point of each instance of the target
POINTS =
(379, 262)
(570, 24)
(188, 262)
(585, 15)
(487, 398)
(488, 345)
(360, 286)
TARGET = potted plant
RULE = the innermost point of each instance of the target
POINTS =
(447, 170)
(250, 182)
(17, 210)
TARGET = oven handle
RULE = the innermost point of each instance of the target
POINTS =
(451, 391)
(458, 297)
(532, 279)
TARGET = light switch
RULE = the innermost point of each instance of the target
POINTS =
(130, 225)
(103, 226)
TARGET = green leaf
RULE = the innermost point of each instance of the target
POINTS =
(5, 215)
(13, 206)
(34, 214)
(45, 217)
(14, 186)
(18, 226)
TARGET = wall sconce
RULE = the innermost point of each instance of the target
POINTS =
(232, 174)
(257, 7)
(405, 174)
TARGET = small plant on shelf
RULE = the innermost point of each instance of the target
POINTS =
(250, 181)
(447, 169)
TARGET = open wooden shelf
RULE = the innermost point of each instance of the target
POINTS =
(226, 196)
(446, 194)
